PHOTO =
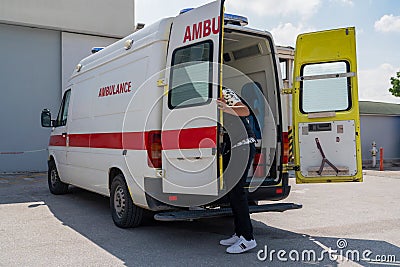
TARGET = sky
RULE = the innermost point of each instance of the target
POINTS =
(377, 25)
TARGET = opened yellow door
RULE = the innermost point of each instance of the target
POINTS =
(325, 108)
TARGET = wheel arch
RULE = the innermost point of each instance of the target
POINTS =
(112, 172)
(52, 158)
(136, 192)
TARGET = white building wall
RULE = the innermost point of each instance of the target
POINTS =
(30, 81)
(41, 42)
(382, 129)
(101, 17)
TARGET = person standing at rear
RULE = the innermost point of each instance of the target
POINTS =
(239, 149)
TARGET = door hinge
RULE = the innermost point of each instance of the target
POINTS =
(161, 82)
(287, 91)
(296, 167)
(291, 167)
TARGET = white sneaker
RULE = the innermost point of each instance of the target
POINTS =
(241, 246)
(229, 241)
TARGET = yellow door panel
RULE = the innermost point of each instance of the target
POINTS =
(325, 108)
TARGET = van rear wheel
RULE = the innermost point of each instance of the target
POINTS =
(55, 185)
(125, 214)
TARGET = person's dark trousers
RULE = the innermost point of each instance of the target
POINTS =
(239, 203)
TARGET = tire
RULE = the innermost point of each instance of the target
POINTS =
(55, 185)
(124, 213)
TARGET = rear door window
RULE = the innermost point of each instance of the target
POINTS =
(325, 87)
(191, 76)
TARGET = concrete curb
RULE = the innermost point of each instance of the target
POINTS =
(390, 172)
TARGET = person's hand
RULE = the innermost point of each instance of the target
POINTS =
(222, 104)
(239, 109)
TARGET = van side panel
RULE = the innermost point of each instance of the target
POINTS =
(144, 115)
(105, 120)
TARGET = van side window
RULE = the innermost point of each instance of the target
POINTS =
(191, 76)
(63, 112)
(325, 87)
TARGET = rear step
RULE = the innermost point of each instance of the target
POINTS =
(185, 215)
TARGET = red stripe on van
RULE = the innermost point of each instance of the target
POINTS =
(135, 140)
(132, 140)
(79, 140)
(57, 140)
(171, 139)
(106, 140)
(189, 138)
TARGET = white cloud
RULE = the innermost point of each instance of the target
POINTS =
(388, 23)
(277, 8)
(344, 2)
(374, 84)
(149, 11)
(286, 34)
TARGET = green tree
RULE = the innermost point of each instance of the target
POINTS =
(395, 81)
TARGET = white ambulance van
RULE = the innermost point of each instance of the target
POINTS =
(139, 120)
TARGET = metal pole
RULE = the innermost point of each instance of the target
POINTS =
(381, 158)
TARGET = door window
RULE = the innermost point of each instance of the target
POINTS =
(191, 76)
(63, 112)
(325, 87)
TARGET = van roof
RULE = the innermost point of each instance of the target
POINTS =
(158, 31)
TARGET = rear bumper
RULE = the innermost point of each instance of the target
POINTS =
(184, 215)
(269, 193)
(159, 201)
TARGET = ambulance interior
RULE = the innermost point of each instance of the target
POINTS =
(249, 69)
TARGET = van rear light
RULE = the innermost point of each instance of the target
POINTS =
(173, 198)
(154, 148)
(279, 190)
(259, 165)
(285, 146)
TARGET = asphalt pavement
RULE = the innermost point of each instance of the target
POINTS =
(41, 229)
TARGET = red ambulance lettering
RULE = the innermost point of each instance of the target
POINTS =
(202, 29)
(119, 88)
(197, 31)
(207, 28)
(127, 87)
(115, 89)
(216, 22)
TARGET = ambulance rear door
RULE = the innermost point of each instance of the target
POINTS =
(325, 108)
(190, 114)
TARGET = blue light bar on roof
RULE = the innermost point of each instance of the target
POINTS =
(235, 19)
(228, 18)
(96, 49)
(185, 10)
